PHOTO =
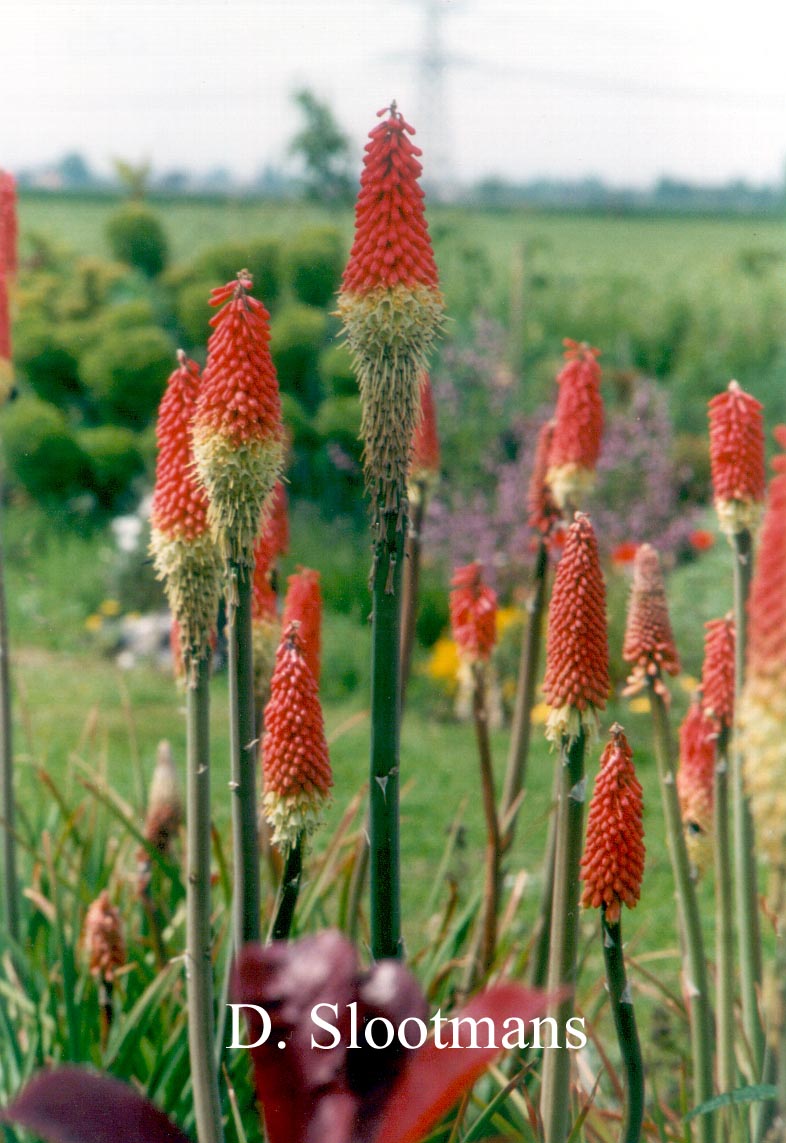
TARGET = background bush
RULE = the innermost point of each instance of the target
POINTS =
(136, 236)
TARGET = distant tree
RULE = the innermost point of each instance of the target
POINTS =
(74, 171)
(323, 149)
(133, 177)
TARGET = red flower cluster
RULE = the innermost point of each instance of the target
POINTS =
(649, 642)
(696, 780)
(179, 507)
(767, 607)
(424, 463)
(272, 542)
(739, 478)
(102, 938)
(613, 863)
(392, 244)
(295, 758)
(575, 445)
(473, 614)
(8, 225)
(544, 512)
(577, 653)
(239, 397)
(303, 605)
(717, 676)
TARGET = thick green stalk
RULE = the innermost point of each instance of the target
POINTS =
(625, 1023)
(288, 893)
(696, 984)
(199, 966)
(7, 813)
(243, 760)
(538, 966)
(555, 1084)
(411, 588)
(746, 880)
(724, 921)
(520, 732)
(385, 720)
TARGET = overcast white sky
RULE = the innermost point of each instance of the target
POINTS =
(626, 90)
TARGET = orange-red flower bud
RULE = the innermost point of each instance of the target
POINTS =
(739, 478)
(237, 431)
(392, 244)
(613, 863)
(575, 444)
(303, 605)
(295, 758)
(717, 676)
(8, 225)
(544, 512)
(473, 614)
(183, 552)
(424, 462)
(102, 937)
(696, 781)
(577, 653)
(649, 642)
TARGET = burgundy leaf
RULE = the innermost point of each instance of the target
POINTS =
(69, 1105)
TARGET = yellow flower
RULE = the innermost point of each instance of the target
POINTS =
(640, 705)
(93, 623)
(540, 713)
(508, 617)
(110, 607)
(444, 661)
(688, 683)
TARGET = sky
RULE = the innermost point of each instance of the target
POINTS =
(559, 88)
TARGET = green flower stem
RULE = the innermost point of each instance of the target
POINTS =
(288, 893)
(385, 875)
(485, 946)
(690, 921)
(724, 921)
(625, 1024)
(243, 760)
(199, 968)
(555, 1084)
(409, 608)
(7, 808)
(745, 867)
(538, 966)
(518, 752)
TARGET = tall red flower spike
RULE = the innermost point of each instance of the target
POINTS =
(363, 1094)
(238, 435)
(577, 651)
(272, 542)
(544, 512)
(8, 226)
(717, 676)
(696, 782)
(425, 460)
(295, 759)
(473, 614)
(763, 706)
(613, 863)
(6, 366)
(184, 554)
(391, 306)
(575, 445)
(649, 642)
(739, 479)
(303, 605)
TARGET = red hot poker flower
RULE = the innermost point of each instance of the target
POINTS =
(575, 445)
(473, 614)
(8, 225)
(577, 653)
(739, 478)
(544, 512)
(649, 642)
(237, 432)
(183, 552)
(391, 308)
(717, 676)
(424, 462)
(613, 863)
(102, 938)
(303, 605)
(696, 781)
(295, 758)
